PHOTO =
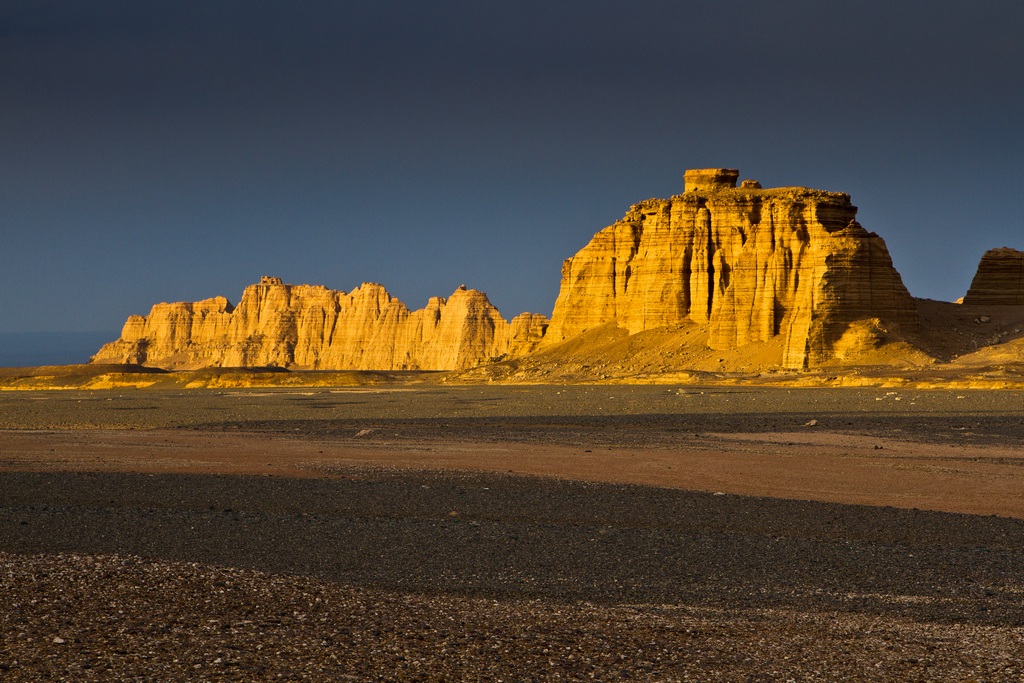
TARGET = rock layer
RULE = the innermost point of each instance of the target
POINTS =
(999, 280)
(751, 263)
(313, 327)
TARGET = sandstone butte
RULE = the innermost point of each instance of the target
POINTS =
(751, 263)
(747, 264)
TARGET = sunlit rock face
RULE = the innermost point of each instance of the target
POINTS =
(746, 263)
(999, 280)
(526, 332)
(749, 262)
(313, 327)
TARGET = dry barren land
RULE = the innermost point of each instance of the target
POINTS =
(527, 533)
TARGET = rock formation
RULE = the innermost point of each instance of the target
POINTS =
(999, 280)
(737, 264)
(750, 263)
(313, 327)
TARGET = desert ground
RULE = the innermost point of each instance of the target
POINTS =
(411, 530)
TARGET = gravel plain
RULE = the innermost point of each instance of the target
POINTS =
(117, 618)
(373, 573)
(641, 415)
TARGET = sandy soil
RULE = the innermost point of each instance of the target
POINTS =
(805, 465)
(937, 450)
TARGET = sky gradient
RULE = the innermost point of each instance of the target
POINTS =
(166, 151)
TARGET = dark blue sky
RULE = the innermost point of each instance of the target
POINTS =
(162, 151)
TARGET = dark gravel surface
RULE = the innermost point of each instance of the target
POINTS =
(398, 575)
(116, 618)
(625, 415)
(517, 537)
(646, 431)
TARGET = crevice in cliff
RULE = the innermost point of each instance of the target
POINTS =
(329, 334)
(685, 274)
(711, 283)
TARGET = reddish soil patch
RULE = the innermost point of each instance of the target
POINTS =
(805, 465)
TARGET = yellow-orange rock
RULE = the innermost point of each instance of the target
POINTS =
(999, 280)
(313, 327)
(751, 263)
(526, 331)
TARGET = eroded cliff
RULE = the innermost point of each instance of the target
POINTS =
(313, 327)
(718, 278)
(750, 263)
(999, 280)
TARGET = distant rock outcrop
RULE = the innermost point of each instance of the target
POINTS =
(313, 327)
(776, 276)
(750, 263)
(999, 280)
